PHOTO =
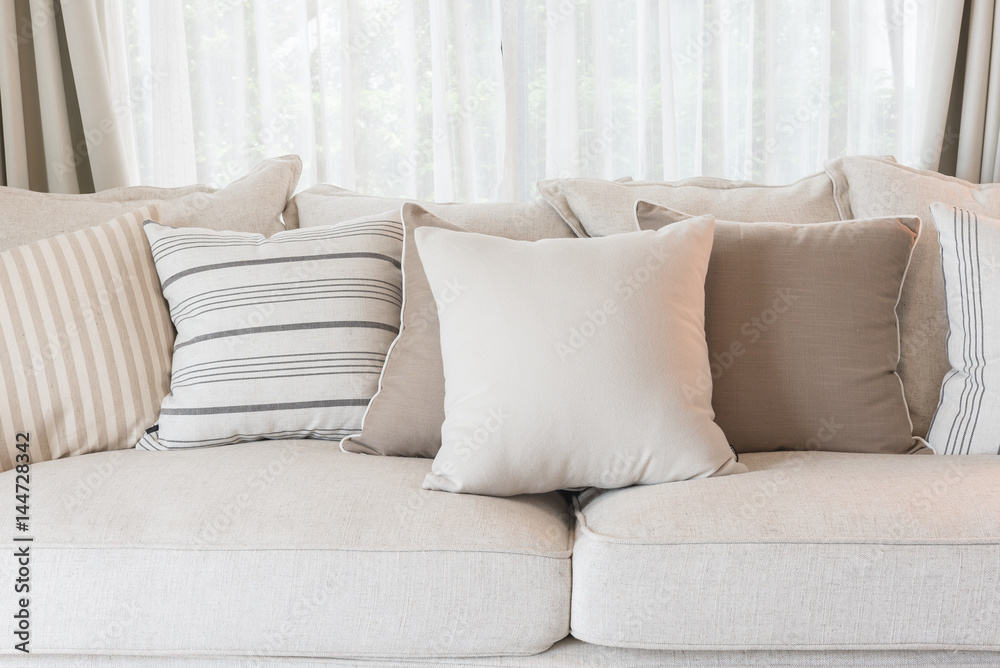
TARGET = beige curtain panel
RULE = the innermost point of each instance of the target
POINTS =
(979, 80)
(62, 127)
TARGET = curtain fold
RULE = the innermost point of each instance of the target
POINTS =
(977, 103)
(63, 128)
(470, 100)
(465, 100)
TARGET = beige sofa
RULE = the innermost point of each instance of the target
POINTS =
(292, 553)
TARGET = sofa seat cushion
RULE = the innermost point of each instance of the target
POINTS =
(286, 548)
(808, 550)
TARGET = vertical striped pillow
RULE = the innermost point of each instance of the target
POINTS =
(85, 341)
(967, 421)
(276, 338)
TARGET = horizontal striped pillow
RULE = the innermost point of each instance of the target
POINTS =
(276, 338)
(85, 341)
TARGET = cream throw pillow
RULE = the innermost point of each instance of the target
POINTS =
(565, 361)
(967, 421)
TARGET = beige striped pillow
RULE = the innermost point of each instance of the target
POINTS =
(85, 341)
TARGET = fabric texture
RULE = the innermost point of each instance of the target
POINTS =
(809, 550)
(567, 653)
(596, 208)
(586, 389)
(480, 101)
(85, 341)
(276, 338)
(405, 416)
(976, 153)
(286, 548)
(65, 128)
(250, 204)
(326, 205)
(874, 187)
(967, 420)
(807, 312)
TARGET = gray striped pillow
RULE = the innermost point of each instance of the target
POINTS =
(85, 341)
(276, 338)
(967, 421)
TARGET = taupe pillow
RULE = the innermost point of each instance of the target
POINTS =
(802, 332)
(327, 205)
(251, 204)
(597, 208)
(871, 187)
(404, 417)
(566, 361)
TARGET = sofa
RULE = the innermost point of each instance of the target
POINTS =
(292, 552)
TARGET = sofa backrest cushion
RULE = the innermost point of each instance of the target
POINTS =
(250, 204)
(597, 208)
(528, 221)
(874, 187)
(85, 341)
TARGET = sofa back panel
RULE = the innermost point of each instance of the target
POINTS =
(880, 187)
(527, 221)
(596, 208)
(250, 204)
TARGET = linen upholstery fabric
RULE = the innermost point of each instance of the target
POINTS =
(808, 550)
(251, 204)
(597, 208)
(286, 548)
(85, 340)
(583, 390)
(405, 416)
(967, 420)
(802, 332)
(567, 653)
(878, 187)
(326, 205)
(276, 338)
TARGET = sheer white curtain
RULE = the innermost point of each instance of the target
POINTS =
(479, 99)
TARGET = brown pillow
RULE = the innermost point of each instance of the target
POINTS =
(404, 417)
(802, 332)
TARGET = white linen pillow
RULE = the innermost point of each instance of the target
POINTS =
(565, 361)
(276, 338)
(967, 421)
